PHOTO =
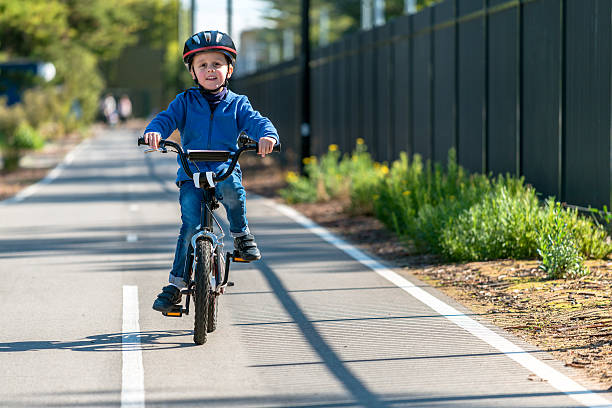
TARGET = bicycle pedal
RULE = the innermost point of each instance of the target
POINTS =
(236, 258)
(176, 311)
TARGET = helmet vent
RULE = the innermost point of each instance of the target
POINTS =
(196, 38)
(207, 36)
(219, 37)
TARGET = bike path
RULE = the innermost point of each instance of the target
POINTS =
(306, 326)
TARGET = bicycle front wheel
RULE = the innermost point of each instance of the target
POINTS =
(203, 294)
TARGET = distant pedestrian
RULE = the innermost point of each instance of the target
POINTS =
(109, 109)
(125, 108)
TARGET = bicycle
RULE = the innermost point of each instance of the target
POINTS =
(209, 271)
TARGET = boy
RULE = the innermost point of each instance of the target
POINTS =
(209, 116)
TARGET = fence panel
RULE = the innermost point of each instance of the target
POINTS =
(338, 96)
(383, 89)
(402, 72)
(471, 86)
(587, 103)
(444, 92)
(316, 102)
(541, 95)
(421, 84)
(502, 109)
(516, 86)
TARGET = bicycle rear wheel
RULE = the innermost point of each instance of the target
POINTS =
(202, 295)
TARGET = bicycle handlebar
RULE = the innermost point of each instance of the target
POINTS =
(253, 146)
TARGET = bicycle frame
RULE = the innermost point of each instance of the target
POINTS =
(207, 220)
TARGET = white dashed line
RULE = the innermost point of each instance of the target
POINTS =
(132, 372)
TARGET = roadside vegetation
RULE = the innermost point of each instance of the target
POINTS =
(446, 211)
(83, 41)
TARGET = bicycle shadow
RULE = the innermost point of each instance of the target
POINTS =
(110, 342)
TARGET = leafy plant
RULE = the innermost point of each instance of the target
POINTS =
(557, 246)
(445, 210)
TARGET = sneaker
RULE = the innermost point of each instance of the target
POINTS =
(246, 248)
(169, 296)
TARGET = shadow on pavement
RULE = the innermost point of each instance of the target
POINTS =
(114, 342)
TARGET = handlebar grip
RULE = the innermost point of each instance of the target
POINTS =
(141, 141)
(255, 147)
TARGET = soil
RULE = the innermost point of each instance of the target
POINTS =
(572, 319)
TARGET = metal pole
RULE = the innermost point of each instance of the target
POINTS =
(229, 17)
(379, 12)
(366, 14)
(305, 68)
(410, 6)
(193, 16)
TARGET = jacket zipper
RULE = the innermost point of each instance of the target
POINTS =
(210, 123)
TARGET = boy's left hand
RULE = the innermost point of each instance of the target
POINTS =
(266, 144)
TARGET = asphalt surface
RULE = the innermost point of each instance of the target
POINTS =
(83, 256)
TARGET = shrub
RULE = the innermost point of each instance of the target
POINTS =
(23, 138)
(502, 225)
(557, 245)
(447, 211)
(336, 178)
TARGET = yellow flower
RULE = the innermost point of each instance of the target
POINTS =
(307, 160)
(376, 196)
(407, 192)
(384, 169)
(360, 141)
(333, 147)
(292, 177)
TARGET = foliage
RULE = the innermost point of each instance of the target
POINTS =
(501, 225)
(558, 247)
(445, 210)
(334, 177)
(78, 36)
(23, 138)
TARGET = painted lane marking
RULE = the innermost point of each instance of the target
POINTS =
(132, 372)
(52, 175)
(558, 380)
(131, 237)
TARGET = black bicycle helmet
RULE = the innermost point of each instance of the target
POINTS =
(209, 41)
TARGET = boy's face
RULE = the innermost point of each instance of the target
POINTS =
(211, 69)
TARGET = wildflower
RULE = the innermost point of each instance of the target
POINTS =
(333, 147)
(360, 141)
(384, 169)
(406, 193)
(292, 177)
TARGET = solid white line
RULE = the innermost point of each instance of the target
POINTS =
(558, 380)
(52, 175)
(132, 372)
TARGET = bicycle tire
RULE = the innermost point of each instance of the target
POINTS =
(213, 305)
(202, 290)
(213, 308)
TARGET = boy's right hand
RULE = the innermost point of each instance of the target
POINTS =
(152, 138)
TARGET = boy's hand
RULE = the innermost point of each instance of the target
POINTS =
(266, 144)
(152, 138)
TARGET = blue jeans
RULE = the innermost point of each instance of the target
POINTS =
(231, 194)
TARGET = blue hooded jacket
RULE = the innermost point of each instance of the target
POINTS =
(200, 129)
